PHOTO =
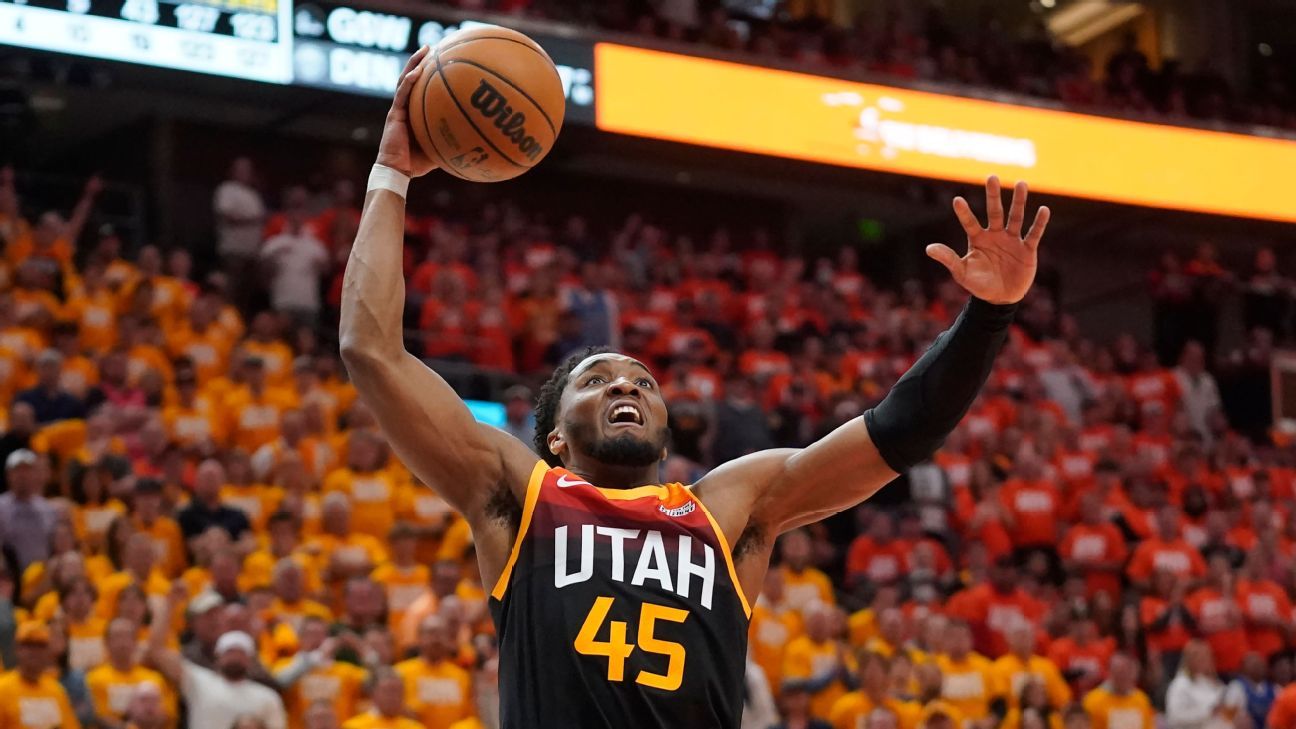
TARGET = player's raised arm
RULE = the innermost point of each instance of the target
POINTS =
(788, 488)
(429, 427)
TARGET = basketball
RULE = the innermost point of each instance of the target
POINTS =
(488, 104)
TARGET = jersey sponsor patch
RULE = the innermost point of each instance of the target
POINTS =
(686, 508)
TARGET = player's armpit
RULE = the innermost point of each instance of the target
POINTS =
(773, 491)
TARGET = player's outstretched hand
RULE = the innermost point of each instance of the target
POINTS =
(397, 150)
(999, 265)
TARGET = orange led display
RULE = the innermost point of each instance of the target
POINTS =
(799, 116)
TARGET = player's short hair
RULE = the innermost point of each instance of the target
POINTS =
(546, 408)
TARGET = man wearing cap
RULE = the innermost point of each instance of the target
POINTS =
(18, 435)
(215, 698)
(26, 517)
(30, 696)
(50, 401)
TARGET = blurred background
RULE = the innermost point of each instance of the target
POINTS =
(740, 197)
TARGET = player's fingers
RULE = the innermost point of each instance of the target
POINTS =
(1017, 211)
(994, 203)
(408, 77)
(945, 256)
(966, 217)
(1037, 228)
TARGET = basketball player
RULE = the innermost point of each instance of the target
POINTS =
(620, 601)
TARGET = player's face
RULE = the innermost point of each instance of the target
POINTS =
(613, 412)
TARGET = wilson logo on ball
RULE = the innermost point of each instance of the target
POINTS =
(495, 107)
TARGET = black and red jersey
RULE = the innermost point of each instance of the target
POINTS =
(618, 608)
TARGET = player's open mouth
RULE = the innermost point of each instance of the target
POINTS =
(625, 413)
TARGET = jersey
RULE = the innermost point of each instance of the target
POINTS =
(624, 599)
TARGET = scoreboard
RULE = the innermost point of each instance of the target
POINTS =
(246, 39)
(323, 44)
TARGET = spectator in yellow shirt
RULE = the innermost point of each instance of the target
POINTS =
(94, 310)
(240, 492)
(295, 487)
(162, 530)
(819, 661)
(30, 695)
(112, 685)
(193, 419)
(853, 709)
(314, 453)
(403, 578)
(802, 583)
(969, 684)
(370, 487)
(202, 341)
(138, 568)
(342, 552)
(438, 691)
(1118, 703)
(313, 675)
(1021, 664)
(84, 629)
(388, 712)
(284, 542)
(772, 629)
(253, 410)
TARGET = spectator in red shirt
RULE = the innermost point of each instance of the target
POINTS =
(1266, 609)
(875, 557)
(1094, 549)
(995, 608)
(1081, 655)
(1166, 550)
(1218, 610)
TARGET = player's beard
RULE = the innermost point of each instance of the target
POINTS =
(618, 450)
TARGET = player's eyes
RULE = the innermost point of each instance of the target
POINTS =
(596, 379)
(644, 382)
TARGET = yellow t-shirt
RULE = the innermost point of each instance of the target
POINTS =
(209, 350)
(96, 318)
(354, 548)
(253, 499)
(339, 684)
(194, 424)
(156, 588)
(40, 705)
(253, 420)
(168, 541)
(86, 648)
(111, 690)
(371, 720)
(91, 522)
(970, 684)
(439, 694)
(851, 710)
(1011, 673)
(805, 658)
(278, 360)
(373, 499)
(804, 587)
(403, 585)
(1109, 711)
(769, 635)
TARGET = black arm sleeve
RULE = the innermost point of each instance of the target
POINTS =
(914, 419)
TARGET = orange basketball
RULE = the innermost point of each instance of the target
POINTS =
(488, 104)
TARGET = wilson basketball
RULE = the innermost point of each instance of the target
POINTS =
(488, 104)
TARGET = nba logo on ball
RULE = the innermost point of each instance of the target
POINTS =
(488, 105)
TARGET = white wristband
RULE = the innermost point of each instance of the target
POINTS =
(382, 177)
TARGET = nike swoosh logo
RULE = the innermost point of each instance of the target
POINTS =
(564, 482)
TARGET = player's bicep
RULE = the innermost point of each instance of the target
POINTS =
(835, 473)
(435, 435)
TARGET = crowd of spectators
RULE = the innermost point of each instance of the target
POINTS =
(200, 521)
(918, 45)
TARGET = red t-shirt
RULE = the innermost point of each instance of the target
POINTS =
(1219, 618)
